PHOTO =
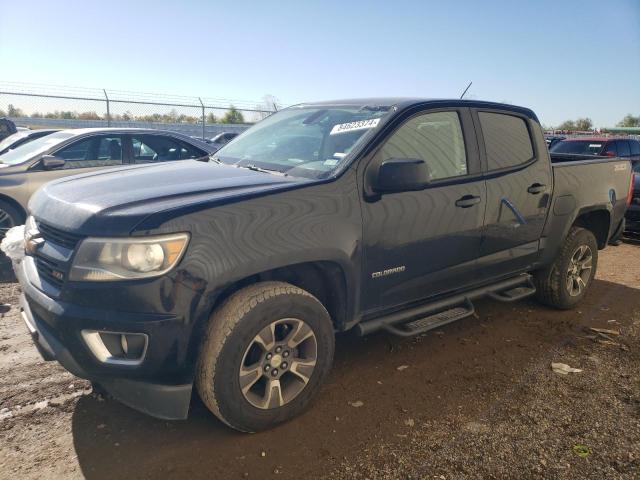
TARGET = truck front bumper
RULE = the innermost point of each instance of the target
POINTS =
(56, 326)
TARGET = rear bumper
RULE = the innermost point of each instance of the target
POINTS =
(55, 329)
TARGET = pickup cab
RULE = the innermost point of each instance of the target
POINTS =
(367, 215)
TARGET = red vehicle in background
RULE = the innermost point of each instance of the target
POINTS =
(599, 146)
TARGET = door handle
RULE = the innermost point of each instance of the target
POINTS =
(467, 201)
(536, 188)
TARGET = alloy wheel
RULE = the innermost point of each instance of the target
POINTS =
(278, 363)
(579, 271)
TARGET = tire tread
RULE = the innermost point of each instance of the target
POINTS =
(220, 327)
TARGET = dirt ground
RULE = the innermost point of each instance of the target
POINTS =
(475, 399)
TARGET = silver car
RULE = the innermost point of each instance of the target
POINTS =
(70, 152)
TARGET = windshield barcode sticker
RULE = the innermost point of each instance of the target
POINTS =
(352, 126)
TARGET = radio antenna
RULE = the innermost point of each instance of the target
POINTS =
(465, 90)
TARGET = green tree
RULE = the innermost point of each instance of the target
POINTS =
(35, 115)
(567, 125)
(211, 118)
(3, 113)
(628, 121)
(584, 124)
(233, 115)
(89, 116)
(14, 111)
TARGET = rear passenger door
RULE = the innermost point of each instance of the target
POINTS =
(519, 183)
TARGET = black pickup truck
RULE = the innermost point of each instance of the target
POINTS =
(234, 275)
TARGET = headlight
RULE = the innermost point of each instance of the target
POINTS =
(108, 259)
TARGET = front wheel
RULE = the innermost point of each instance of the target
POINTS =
(566, 282)
(266, 352)
(9, 217)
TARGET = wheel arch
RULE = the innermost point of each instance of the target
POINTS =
(598, 221)
(11, 201)
(326, 280)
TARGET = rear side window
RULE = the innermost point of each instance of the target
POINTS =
(506, 139)
(158, 148)
(623, 148)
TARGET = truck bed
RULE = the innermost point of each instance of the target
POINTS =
(584, 184)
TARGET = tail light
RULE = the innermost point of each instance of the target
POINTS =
(631, 185)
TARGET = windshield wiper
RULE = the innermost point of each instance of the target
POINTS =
(215, 159)
(255, 168)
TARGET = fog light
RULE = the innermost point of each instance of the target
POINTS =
(117, 348)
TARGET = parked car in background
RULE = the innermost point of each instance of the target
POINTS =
(552, 139)
(234, 275)
(69, 152)
(7, 127)
(632, 218)
(599, 146)
(222, 139)
(21, 137)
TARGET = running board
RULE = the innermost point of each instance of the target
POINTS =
(426, 317)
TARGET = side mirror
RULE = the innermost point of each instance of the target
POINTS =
(51, 162)
(402, 175)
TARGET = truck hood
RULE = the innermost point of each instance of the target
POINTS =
(115, 201)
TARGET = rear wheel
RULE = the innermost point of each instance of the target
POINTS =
(566, 282)
(266, 352)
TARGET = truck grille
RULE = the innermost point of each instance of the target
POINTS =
(50, 272)
(59, 237)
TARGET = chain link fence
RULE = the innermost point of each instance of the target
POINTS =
(46, 106)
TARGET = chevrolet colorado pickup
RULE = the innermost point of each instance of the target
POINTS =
(234, 275)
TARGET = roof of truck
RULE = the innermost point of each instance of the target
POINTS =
(404, 102)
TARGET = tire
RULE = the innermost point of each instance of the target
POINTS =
(232, 341)
(10, 216)
(553, 284)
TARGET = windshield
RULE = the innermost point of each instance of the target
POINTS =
(29, 150)
(306, 142)
(580, 147)
(7, 142)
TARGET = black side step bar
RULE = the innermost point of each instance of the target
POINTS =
(432, 315)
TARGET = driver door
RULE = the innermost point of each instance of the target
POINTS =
(418, 244)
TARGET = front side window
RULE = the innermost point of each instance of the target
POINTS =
(506, 139)
(435, 138)
(98, 151)
(309, 142)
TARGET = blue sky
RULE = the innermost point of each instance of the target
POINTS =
(564, 59)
